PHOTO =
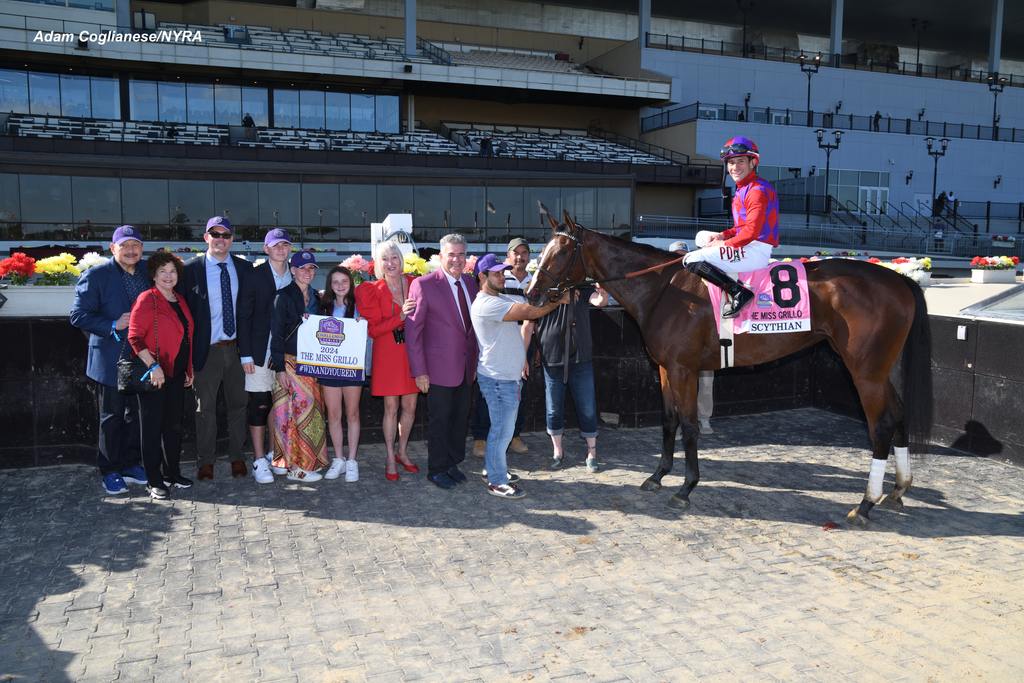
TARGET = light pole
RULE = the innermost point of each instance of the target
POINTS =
(919, 25)
(829, 147)
(996, 83)
(809, 67)
(936, 153)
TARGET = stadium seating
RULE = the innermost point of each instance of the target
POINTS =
(523, 142)
(68, 128)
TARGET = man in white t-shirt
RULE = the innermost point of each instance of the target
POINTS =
(501, 366)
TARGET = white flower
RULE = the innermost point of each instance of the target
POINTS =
(91, 259)
(434, 263)
(258, 262)
(532, 266)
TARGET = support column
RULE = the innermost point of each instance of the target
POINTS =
(410, 112)
(995, 37)
(836, 43)
(645, 21)
(410, 28)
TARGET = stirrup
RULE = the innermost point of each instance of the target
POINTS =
(732, 308)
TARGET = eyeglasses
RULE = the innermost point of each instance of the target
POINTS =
(220, 235)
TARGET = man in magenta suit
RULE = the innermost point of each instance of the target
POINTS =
(443, 355)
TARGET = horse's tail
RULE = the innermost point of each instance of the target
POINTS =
(917, 372)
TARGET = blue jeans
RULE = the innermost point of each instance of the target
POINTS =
(581, 384)
(502, 398)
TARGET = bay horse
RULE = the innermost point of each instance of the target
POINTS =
(868, 314)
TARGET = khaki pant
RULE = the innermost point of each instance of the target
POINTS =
(223, 367)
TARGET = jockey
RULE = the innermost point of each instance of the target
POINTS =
(747, 246)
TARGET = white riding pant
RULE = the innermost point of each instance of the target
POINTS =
(744, 259)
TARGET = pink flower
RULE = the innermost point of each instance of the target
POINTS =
(356, 263)
(470, 264)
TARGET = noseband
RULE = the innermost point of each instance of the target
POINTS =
(563, 283)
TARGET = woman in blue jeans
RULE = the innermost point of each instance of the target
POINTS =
(566, 353)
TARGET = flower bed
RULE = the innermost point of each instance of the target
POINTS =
(994, 269)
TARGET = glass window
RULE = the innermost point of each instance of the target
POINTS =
(387, 114)
(144, 201)
(142, 101)
(96, 200)
(9, 199)
(362, 112)
(431, 203)
(45, 198)
(393, 199)
(507, 206)
(337, 111)
(613, 209)
(254, 103)
(320, 206)
(14, 91)
(74, 96)
(172, 102)
(44, 93)
(883, 179)
(286, 108)
(358, 206)
(237, 200)
(580, 203)
(279, 204)
(869, 178)
(228, 102)
(200, 103)
(190, 203)
(106, 98)
(467, 208)
(311, 109)
(551, 197)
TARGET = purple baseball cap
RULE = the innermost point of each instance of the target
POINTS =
(303, 258)
(489, 263)
(124, 233)
(218, 221)
(276, 236)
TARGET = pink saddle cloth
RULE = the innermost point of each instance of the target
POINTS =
(780, 304)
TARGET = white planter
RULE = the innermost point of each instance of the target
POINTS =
(1006, 276)
(31, 301)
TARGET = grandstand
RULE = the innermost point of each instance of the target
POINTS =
(586, 107)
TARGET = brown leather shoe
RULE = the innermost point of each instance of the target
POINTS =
(238, 468)
(517, 446)
(205, 472)
(479, 448)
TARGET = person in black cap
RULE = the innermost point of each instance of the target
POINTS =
(210, 287)
(103, 299)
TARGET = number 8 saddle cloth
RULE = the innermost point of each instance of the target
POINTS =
(780, 303)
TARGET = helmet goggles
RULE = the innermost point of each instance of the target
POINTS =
(739, 147)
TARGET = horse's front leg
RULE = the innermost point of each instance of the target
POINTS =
(669, 426)
(684, 394)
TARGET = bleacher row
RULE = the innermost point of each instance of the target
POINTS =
(505, 60)
(465, 140)
(548, 143)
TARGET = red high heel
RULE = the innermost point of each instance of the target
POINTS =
(407, 465)
(390, 476)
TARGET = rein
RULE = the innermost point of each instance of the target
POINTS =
(562, 283)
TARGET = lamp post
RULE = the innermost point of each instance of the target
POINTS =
(829, 147)
(918, 25)
(996, 83)
(936, 153)
(809, 67)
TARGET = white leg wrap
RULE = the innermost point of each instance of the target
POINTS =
(902, 464)
(875, 480)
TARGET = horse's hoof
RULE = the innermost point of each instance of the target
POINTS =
(678, 503)
(856, 519)
(650, 485)
(891, 503)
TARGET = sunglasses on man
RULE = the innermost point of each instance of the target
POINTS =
(217, 235)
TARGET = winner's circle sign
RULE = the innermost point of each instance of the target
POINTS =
(332, 348)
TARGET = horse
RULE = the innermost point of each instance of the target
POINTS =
(869, 315)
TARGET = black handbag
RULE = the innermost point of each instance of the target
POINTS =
(133, 375)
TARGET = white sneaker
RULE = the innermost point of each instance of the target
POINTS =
(351, 470)
(270, 461)
(299, 474)
(261, 472)
(334, 471)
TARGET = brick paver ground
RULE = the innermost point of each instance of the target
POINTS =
(588, 578)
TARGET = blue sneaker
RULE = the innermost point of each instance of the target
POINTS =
(135, 475)
(114, 484)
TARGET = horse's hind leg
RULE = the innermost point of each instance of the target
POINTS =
(669, 426)
(684, 391)
(901, 449)
(882, 423)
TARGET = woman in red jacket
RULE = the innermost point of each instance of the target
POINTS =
(160, 332)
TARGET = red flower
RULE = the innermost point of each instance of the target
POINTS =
(874, 259)
(1015, 259)
(804, 259)
(18, 265)
(901, 259)
(977, 261)
(370, 269)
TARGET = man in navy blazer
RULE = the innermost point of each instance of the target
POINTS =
(210, 286)
(443, 354)
(103, 299)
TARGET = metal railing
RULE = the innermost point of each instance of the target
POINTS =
(712, 111)
(842, 61)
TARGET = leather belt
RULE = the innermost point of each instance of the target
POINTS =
(226, 342)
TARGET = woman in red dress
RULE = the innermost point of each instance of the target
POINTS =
(384, 304)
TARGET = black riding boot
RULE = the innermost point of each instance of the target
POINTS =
(738, 294)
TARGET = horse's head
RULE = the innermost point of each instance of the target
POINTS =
(561, 262)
